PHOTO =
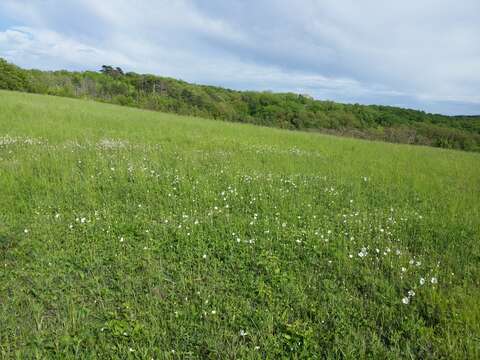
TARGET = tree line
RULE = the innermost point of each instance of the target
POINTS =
(284, 110)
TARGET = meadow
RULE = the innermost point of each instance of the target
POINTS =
(132, 234)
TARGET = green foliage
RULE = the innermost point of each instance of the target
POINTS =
(130, 234)
(288, 111)
(12, 77)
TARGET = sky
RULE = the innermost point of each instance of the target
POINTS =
(421, 54)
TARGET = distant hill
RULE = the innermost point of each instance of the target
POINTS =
(283, 110)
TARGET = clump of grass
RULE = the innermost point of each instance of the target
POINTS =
(131, 234)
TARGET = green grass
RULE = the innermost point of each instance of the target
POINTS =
(138, 235)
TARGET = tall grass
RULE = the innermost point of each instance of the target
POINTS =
(132, 234)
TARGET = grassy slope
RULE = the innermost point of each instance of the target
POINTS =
(149, 242)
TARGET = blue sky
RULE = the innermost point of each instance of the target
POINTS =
(422, 54)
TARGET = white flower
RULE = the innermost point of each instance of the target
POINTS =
(411, 293)
(122, 239)
(434, 280)
(243, 333)
(422, 281)
(403, 269)
(214, 312)
(363, 252)
(204, 256)
(25, 231)
(405, 300)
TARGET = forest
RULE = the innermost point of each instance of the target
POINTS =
(282, 110)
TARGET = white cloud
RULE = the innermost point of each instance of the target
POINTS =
(42, 48)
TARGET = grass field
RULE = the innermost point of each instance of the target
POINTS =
(138, 235)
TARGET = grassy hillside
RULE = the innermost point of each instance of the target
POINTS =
(133, 234)
(288, 111)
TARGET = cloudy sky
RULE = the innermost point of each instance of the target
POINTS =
(422, 54)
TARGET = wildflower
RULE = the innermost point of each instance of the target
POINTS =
(403, 269)
(25, 231)
(411, 293)
(204, 256)
(422, 281)
(363, 252)
(406, 300)
(243, 333)
(122, 239)
(434, 280)
(214, 312)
